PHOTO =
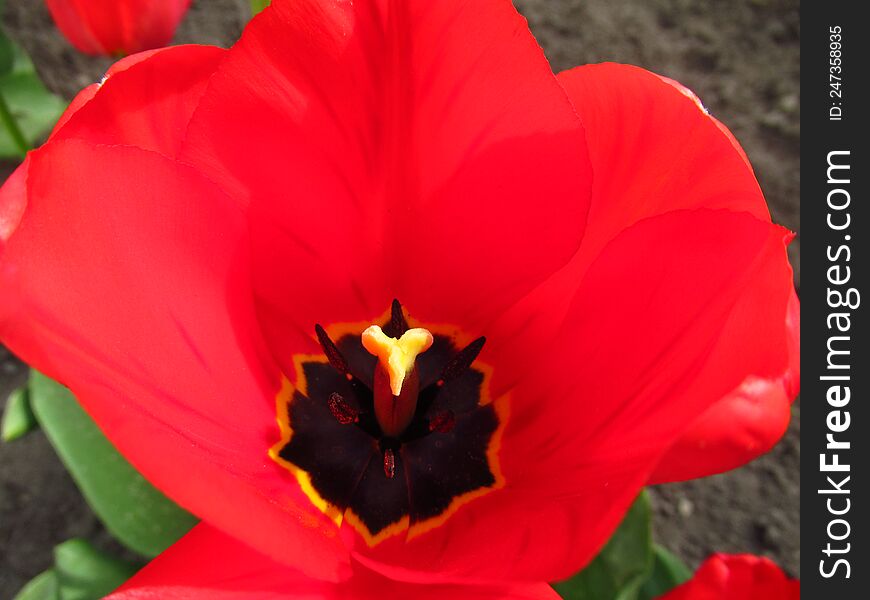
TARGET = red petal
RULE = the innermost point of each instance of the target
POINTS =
(114, 27)
(525, 531)
(81, 99)
(666, 322)
(737, 577)
(675, 313)
(654, 149)
(417, 150)
(673, 304)
(150, 107)
(670, 154)
(146, 100)
(210, 565)
(87, 94)
(743, 425)
(126, 279)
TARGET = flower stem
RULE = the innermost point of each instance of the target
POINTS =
(12, 127)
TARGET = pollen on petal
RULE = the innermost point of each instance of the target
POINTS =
(397, 356)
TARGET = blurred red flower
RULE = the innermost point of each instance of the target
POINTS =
(168, 253)
(737, 577)
(117, 27)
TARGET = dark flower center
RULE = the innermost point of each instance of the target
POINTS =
(392, 428)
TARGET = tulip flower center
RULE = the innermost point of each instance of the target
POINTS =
(392, 428)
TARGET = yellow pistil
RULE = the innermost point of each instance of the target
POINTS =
(396, 356)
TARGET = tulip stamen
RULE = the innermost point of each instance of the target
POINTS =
(462, 361)
(333, 355)
(342, 410)
(389, 463)
(398, 323)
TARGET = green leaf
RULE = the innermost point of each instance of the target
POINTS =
(42, 587)
(85, 573)
(18, 417)
(7, 56)
(80, 572)
(667, 573)
(134, 511)
(258, 5)
(620, 569)
(29, 107)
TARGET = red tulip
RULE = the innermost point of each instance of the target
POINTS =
(172, 251)
(117, 27)
(737, 577)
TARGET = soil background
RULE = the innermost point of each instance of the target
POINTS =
(741, 57)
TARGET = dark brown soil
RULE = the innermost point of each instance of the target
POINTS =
(741, 57)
